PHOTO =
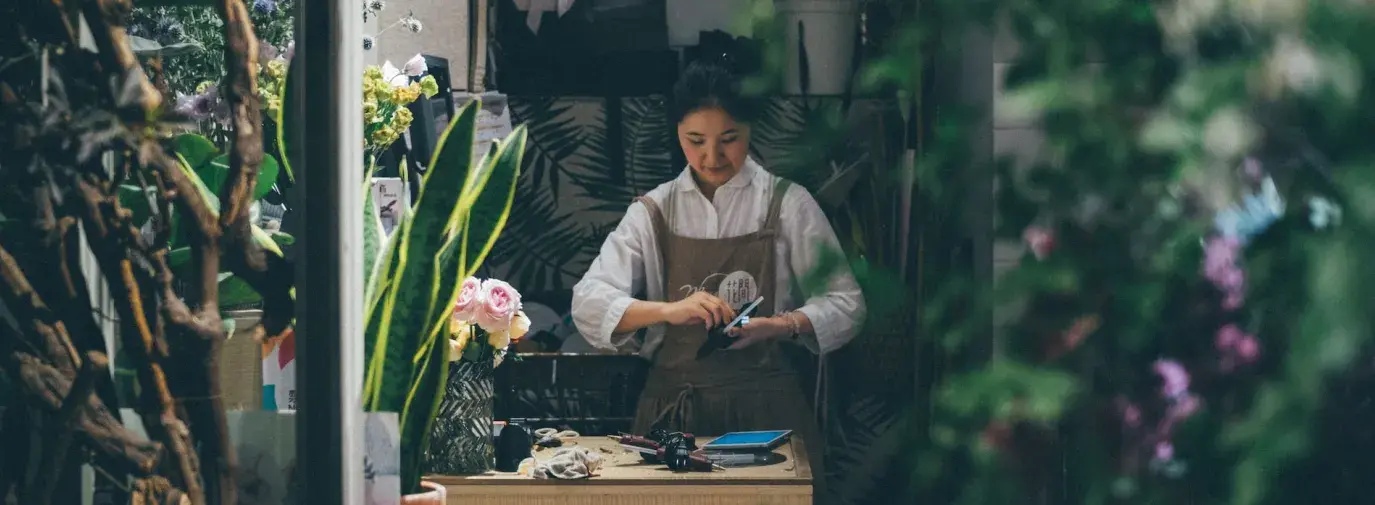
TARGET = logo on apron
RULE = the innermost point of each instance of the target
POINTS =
(736, 289)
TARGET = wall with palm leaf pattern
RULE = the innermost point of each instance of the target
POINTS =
(587, 159)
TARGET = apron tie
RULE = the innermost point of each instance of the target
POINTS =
(680, 408)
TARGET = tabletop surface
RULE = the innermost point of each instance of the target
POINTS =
(620, 466)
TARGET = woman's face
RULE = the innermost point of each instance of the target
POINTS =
(714, 144)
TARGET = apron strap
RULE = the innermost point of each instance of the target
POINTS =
(679, 413)
(776, 204)
(661, 232)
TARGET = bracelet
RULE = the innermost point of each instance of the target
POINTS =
(792, 325)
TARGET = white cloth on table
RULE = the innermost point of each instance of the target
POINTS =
(629, 263)
(566, 463)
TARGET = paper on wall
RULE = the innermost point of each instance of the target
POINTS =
(390, 197)
(279, 374)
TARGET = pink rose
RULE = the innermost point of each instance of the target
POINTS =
(1040, 240)
(469, 299)
(500, 302)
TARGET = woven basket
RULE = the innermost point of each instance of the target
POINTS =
(461, 441)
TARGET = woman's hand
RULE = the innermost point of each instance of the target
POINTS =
(700, 308)
(759, 329)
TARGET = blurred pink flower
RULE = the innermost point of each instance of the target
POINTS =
(1040, 240)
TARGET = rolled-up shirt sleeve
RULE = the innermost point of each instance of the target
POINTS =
(608, 288)
(836, 312)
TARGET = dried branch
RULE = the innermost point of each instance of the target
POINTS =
(96, 427)
(61, 432)
(269, 274)
(241, 91)
(108, 231)
(106, 18)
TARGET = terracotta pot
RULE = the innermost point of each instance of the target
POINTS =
(436, 495)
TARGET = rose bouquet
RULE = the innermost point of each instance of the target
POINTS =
(486, 320)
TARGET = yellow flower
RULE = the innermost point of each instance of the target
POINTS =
(403, 115)
(369, 110)
(498, 339)
(461, 332)
(276, 68)
(372, 72)
(428, 86)
(404, 95)
(520, 325)
(384, 135)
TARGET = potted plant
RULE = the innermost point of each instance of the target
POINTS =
(414, 279)
(485, 322)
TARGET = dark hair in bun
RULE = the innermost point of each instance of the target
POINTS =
(710, 84)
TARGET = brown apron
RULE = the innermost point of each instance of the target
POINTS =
(757, 388)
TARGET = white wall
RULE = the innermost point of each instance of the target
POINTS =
(445, 34)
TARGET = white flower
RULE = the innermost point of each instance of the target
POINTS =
(1228, 133)
(375, 5)
(394, 76)
(415, 67)
(368, 43)
(520, 325)
(1294, 64)
(412, 24)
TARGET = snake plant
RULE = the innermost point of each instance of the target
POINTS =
(415, 274)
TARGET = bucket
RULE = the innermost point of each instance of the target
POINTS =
(821, 32)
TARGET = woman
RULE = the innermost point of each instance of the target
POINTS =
(697, 249)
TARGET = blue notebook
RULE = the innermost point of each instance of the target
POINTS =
(749, 440)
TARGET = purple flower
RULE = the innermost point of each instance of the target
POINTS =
(1228, 336)
(1164, 451)
(192, 106)
(266, 52)
(1220, 256)
(264, 6)
(1174, 377)
(1236, 347)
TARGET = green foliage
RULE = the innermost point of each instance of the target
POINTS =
(203, 163)
(180, 23)
(415, 276)
(1148, 110)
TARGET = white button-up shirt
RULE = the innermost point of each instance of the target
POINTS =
(629, 264)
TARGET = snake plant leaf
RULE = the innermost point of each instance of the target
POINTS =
(492, 207)
(403, 324)
(372, 233)
(286, 121)
(422, 407)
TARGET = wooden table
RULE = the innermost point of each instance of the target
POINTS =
(624, 479)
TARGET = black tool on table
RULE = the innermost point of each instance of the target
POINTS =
(718, 338)
(512, 447)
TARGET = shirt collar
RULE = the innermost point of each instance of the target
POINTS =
(744, 178)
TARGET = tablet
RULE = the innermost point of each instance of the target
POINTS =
(748, 440)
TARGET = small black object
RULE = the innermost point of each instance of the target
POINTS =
(677, 452)
(550, 442)
(512, 447)
(717, 338)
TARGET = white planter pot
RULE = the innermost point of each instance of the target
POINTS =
(827, 29)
